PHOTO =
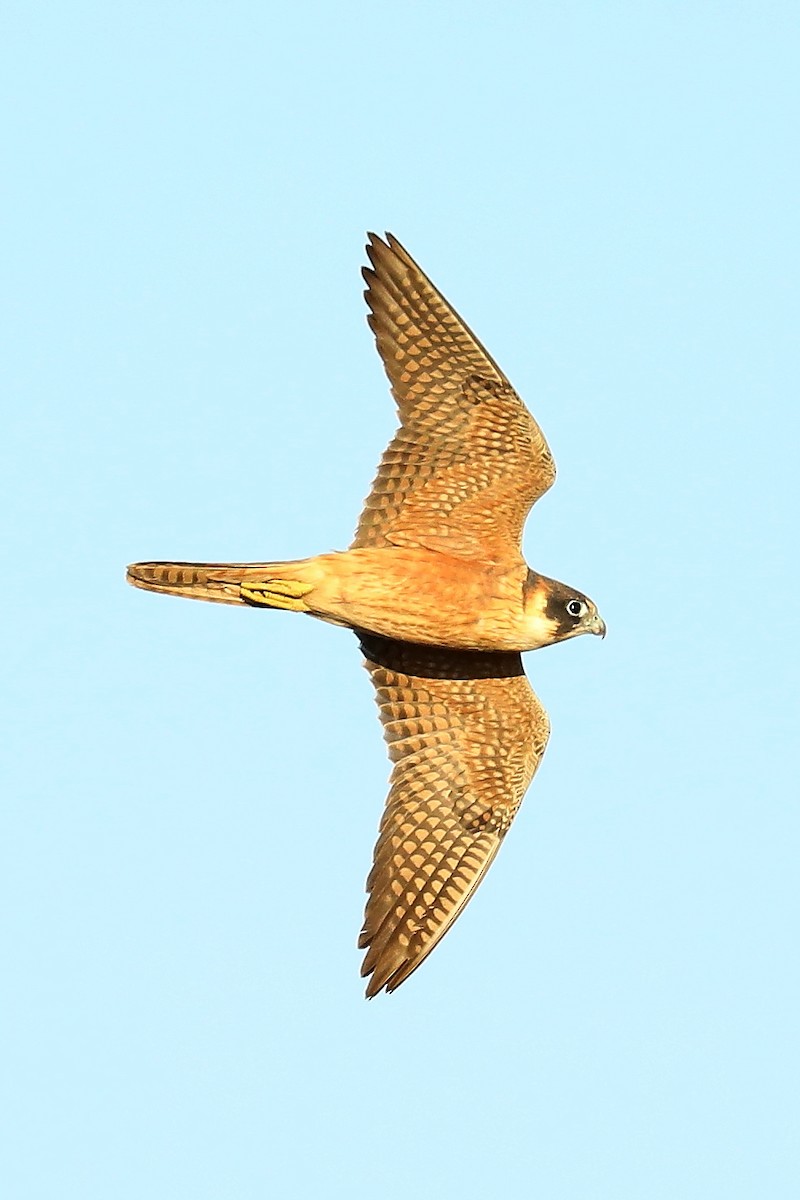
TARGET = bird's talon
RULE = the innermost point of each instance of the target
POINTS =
(277, 593)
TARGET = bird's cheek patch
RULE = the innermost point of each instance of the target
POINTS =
(541, 627)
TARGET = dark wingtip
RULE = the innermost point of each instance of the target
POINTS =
(374, 241)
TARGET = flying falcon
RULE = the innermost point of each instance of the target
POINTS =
(442, 601)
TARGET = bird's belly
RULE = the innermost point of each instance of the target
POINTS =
(421, 596)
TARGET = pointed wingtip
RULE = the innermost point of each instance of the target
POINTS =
(373, 985)
(376, 244)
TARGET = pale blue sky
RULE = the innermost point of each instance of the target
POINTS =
(609, 194)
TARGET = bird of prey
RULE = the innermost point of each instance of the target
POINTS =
(435, 587)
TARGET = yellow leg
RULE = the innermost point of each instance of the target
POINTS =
(277, 593)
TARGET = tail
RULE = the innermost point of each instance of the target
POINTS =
(272, 585)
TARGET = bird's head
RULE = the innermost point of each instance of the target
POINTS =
(555, 612)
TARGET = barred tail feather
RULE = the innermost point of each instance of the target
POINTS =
(221, 583)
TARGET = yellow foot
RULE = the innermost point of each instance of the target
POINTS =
(277, 593)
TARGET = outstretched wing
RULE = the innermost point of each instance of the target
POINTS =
(466, 734)
(468, 460)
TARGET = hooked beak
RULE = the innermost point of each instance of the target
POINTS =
(596, 624)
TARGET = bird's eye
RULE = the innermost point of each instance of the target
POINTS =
(576, 608)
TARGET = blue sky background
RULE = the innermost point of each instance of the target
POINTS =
(609, 194)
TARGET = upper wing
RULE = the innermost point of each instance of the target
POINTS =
(468, 460)
(466, 734)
